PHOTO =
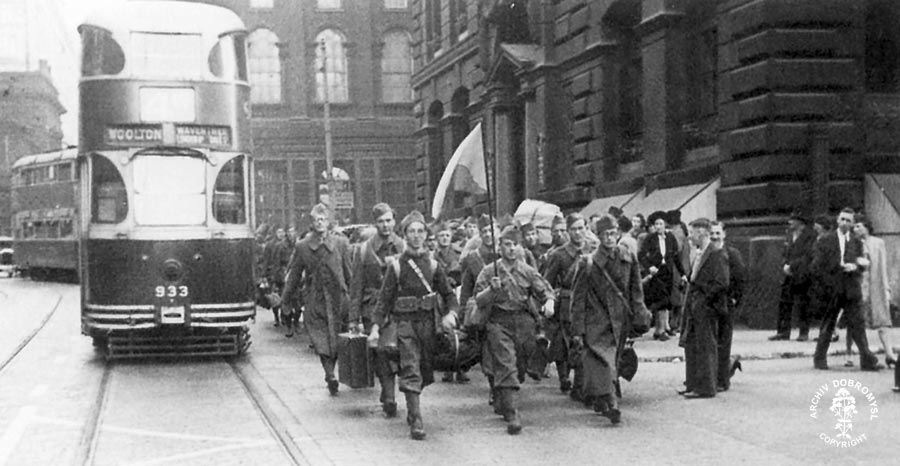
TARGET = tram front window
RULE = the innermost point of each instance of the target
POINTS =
(109, 201)
(169, 190)
(228, 195)
(228, 58)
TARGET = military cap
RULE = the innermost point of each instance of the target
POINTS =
(572, 218)
(412, 217)
(557, 219)
(527, 228)
(614, 211)
(380, 209)
(701, 222)
(511, 232)
(484, 220)
(606, 222)
(320, 209)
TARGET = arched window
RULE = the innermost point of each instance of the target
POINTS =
(265, 67)
(334, 69)
(396, 67)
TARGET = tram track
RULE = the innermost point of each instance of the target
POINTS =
(31, 335)
(247, 375)
(90, 435)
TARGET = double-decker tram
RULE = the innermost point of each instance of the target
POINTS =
(166, 253)
(45, 199)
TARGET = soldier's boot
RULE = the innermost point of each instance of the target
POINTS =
(510, 404)
(494, 398)
(275, 313)
(388, 398)
(414, 417)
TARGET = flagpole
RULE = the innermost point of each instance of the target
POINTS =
(487, 181)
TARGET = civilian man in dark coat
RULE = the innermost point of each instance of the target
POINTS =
(415, 291)
(795, 290)
(707, 300)
(737, 273)
(602, 306)
(836, 261)
(365, 289)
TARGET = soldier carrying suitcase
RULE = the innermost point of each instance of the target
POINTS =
(416, 298)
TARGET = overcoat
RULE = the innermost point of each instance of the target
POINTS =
(707, 299)
(876, 291)
(602, 316)
(368, 274)
(320, 272)
(658, 290)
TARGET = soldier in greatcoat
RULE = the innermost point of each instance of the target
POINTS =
(502, 290)
(559, 271)
(606, 294)
(374, 256)
(320, 272)
(416, 297)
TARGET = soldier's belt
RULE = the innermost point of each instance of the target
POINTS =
(406, 304)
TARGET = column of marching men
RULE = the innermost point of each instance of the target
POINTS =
(576, 304)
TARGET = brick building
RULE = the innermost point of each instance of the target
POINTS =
(29, 123)
(741, 110)
(368, 61)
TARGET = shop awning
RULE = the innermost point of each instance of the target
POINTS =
(601, 206)
(693, 200)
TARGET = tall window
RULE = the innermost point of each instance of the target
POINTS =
(334, 69)
(882, 59)
(432, 27)
(265, 67)
(396, 4)
(396, 66)
(328, 4)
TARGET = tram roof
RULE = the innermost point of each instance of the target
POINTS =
(70, 153)
(166, 16)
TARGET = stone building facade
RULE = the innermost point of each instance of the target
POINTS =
(757, 108)
(368, 63)
(29, 123)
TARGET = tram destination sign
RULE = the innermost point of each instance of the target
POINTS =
(198, 135)
(133, 135)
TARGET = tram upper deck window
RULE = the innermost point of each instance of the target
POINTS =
(228, 195)
(228, 58)
(167, 55)
(169, 190)
(100, 54)
(109, 203)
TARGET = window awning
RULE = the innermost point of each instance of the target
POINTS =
(693, 200)
(601, 206)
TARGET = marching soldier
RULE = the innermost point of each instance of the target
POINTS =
(559, 271)
(503, 289)
(320, 272)
(414, 292)
(373, 259)
(448, 257)
(606, 292)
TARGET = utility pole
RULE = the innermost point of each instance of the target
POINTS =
(329, 174)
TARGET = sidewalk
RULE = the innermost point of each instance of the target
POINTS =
(755, 344)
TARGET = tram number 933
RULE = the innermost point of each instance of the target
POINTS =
(171, 291)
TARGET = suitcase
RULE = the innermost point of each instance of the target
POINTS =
(355, 368)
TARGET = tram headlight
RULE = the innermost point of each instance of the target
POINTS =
(172, 270)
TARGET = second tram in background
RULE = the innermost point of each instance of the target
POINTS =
(164, 145)
(45, 199)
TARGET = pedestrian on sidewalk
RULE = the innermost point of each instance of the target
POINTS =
(320, 273)
(660, 260)
(876, 290)
(737, 274)
(706, 301)
(795, 289)
(415, 292)
(606, 293)
(836, 259)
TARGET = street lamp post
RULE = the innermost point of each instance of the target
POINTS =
(329, 175)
